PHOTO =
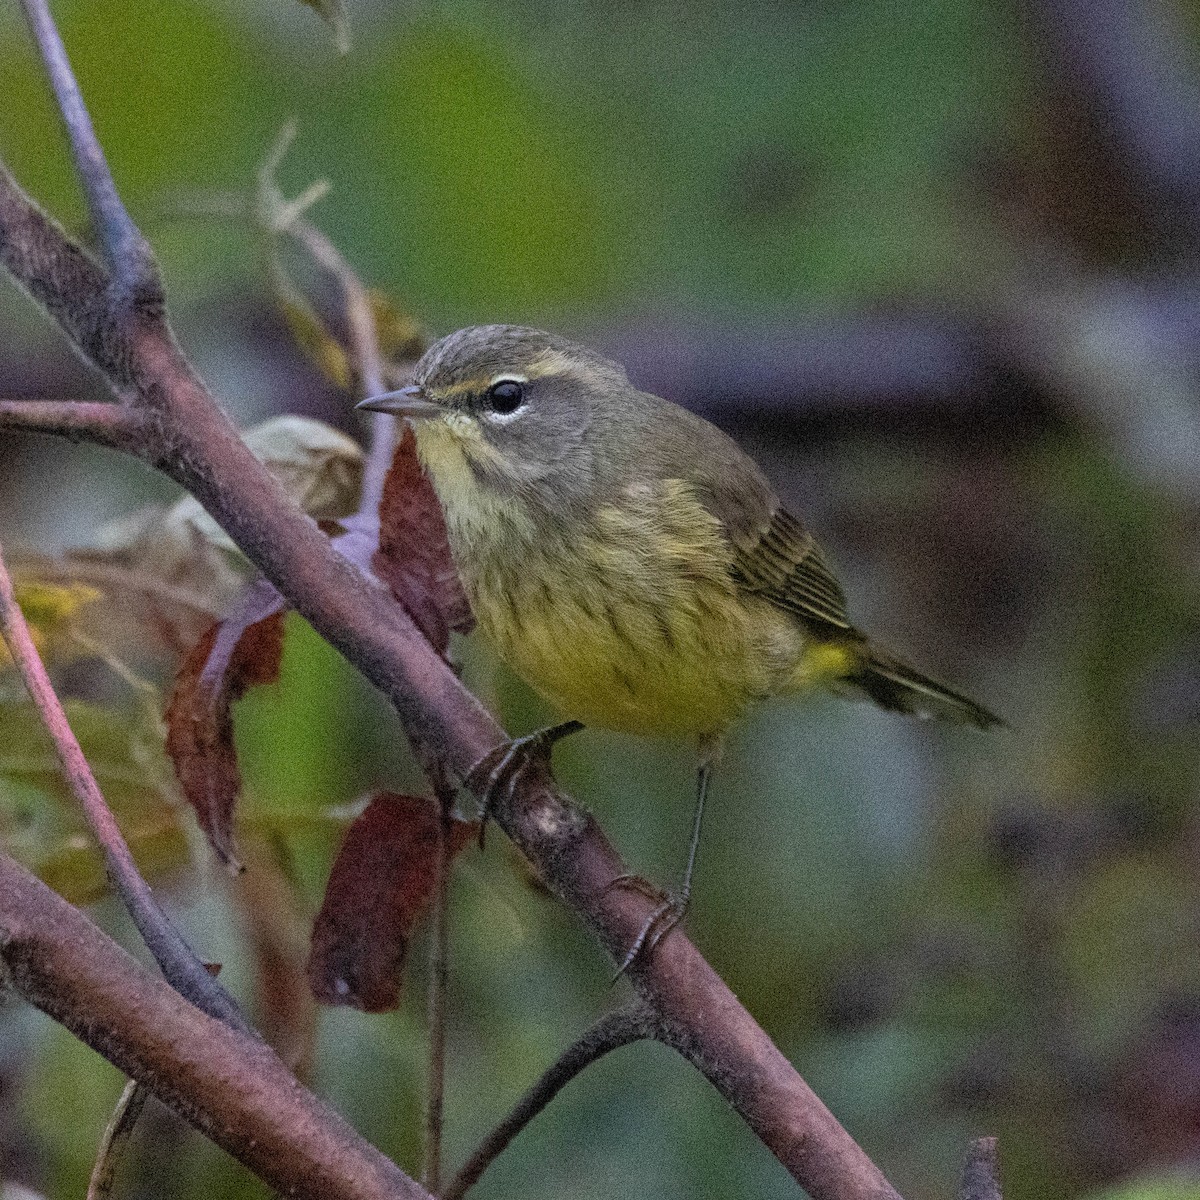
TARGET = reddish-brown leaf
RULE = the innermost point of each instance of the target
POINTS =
(413, 557)
(382, 883)
(234, 655)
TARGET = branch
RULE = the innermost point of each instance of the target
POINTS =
(192, 441)
(63, 279)
(179, 964)
(128, 253)
(229, 1085)
(619, 1028)
(112, 425)
(439, 975)
(446, 722)
(979, 1179)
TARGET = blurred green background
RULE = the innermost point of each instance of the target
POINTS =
(935, 265)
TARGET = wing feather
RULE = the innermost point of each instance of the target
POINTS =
(785, 565)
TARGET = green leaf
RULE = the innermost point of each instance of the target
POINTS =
(41, 823)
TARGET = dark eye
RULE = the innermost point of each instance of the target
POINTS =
(506, 396)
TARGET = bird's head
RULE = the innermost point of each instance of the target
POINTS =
(514, 407)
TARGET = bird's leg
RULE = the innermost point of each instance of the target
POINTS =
(672, 907)
(499, 771)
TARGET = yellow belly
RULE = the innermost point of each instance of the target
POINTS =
(692, 676)
(635, 625)
(625, 617)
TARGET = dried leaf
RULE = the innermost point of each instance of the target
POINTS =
(319, 468)
(382, 883)
(413, 558)
(234, 655)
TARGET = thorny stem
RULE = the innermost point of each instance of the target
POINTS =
(621, 1027)
(127, 251)
(179, 964)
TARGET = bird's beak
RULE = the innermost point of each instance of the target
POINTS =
(407, 402)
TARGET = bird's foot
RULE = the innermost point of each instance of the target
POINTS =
(669, 912)
(498, 773)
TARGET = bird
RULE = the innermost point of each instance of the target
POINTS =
(630, 562)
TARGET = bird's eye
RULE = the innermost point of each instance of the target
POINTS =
(505, 396)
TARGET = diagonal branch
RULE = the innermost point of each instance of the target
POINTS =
(445, 722)
(227, 1084)
(179, 964)
(129, 255)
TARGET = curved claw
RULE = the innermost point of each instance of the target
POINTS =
(500, 770)
(635, 883)
(661, 922)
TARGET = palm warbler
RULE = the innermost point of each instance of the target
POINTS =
(627, 559)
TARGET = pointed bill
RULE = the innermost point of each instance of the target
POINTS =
(407, 402)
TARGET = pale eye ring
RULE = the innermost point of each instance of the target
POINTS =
(505, 396)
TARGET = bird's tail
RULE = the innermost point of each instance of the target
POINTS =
(893, 684)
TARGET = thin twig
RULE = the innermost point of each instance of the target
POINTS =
(179, 964)
(979, 1177)
(621, 1027)
(281, 216)
(112, 425)
(127, 251)
(439, 973)
(116, 1139)
(364, 339)
(363, 334)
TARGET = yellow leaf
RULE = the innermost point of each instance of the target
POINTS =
(318, 343)
(50, 610)
(401, 336)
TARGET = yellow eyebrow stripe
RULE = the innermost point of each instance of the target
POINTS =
(551, 363)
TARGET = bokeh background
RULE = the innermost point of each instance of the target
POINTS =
(935, 262)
